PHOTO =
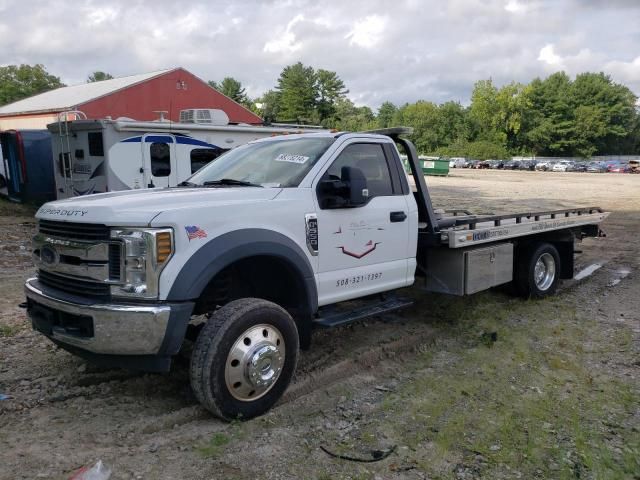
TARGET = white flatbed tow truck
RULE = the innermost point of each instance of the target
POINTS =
(255, 250)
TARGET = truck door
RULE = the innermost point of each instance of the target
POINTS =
(159, 154)
(362, 250)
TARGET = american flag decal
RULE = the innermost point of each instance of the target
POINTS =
(194, 232)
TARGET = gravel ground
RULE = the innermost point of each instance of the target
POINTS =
(555, 396)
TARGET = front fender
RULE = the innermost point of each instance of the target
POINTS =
(230, 247)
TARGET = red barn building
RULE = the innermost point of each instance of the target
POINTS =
(135, 96)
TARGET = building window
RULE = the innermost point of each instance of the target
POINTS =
(160, 159)
(201, 156)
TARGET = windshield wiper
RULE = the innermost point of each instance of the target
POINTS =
(186, 184)
(231, 182)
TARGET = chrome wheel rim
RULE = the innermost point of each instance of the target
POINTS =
(255, 362)
(545, 271)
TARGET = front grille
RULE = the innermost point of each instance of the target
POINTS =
(115, 254)
(74, 285)
(74, 231)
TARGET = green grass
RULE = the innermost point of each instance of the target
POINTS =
(219, 441)
(530, 402)
(10, 330)
(215, 445)
(12, 209)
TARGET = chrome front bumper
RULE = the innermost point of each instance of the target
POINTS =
(117, 329)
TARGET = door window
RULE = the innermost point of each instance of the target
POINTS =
(370, 159)
(160, 155)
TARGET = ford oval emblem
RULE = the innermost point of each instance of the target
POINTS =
(48, 255)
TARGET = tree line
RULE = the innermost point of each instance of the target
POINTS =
(554, 116)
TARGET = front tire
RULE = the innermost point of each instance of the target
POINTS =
(244, 358)
(538, 271)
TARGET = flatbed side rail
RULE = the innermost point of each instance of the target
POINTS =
(480, 230)
(498, 219)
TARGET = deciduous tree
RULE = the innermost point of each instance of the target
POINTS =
(99, 76)
(21, 81)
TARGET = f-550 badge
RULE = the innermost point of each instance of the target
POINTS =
(311, 228)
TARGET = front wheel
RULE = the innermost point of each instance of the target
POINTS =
(244, 358)
(537, 271)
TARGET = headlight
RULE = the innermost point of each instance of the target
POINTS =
(145, 252)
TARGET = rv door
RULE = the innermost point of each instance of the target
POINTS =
(159, 154)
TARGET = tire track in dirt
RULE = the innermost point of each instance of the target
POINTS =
(359, 361)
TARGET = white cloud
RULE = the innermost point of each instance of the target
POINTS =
(419, 49)
(367, 32)
(549, 56)
(285, 42)
(626, 72)
(97, 16)
(514, 6)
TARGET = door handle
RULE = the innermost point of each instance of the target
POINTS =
(397, 217)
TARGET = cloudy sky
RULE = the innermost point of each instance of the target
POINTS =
(401, 50)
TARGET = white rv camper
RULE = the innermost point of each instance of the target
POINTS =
(95, 156)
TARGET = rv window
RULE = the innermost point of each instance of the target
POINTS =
(201, 156)
(96, 148)
(160, 160)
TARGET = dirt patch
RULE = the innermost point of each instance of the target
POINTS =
(487, 386)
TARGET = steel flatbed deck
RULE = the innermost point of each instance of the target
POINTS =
(472, 230)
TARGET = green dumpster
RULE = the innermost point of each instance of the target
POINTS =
(434, 165)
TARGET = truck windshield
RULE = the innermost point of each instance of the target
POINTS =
(275, 163)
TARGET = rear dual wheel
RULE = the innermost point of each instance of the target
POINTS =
(244, 358)
(538, 271)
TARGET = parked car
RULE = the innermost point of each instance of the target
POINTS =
(597, 167)
(634, 166)
(483, 164)
(512, 165)
(562, 166)
(577, 167)
(527, 165)
(473, 163)
(618, 167)
(458, 162)
(496, 164)
(542, 166)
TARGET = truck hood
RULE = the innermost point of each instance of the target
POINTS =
(139, 207)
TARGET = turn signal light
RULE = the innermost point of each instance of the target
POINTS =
(163, 246)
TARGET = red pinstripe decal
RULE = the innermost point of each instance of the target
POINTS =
(360, 255)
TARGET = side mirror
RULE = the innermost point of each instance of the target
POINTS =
(356, 183)
(349, 191)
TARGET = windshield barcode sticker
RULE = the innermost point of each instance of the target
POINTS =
(286, 157)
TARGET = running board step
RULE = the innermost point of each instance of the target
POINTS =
(378, 308)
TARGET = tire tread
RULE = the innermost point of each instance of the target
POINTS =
(207, 343)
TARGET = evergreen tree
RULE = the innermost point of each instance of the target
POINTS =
(298, 91)
(232, 88)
